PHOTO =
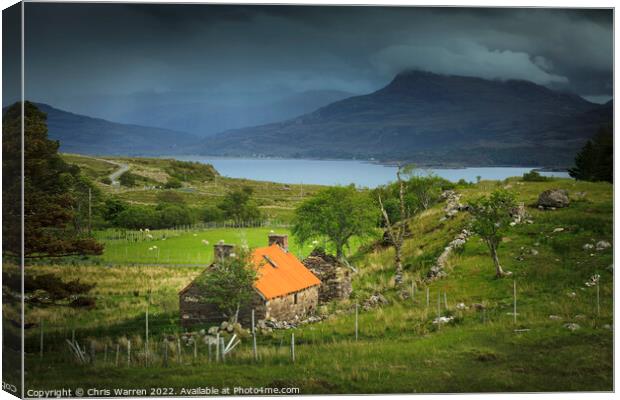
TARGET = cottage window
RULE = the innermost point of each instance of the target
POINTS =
(295, 298)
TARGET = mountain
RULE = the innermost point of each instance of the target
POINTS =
(86, 135)
(203, 114)
(432, 119)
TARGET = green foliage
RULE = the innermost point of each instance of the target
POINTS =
(534, 176)
(128, 179)
(239, 206)
(228, 283)
(492, 219)
(187, 171)
(595, 161)
(55, 194)
(106, 180)
(165, 215)
(421, 192)
(137, 217)
(336, 213)
(173, 183)
(492, 215)
(171, 215)
(47, 288)
(212, 214)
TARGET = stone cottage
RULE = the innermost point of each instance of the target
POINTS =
(334, 275)
(284, 288)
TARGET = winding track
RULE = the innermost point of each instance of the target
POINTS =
(122, 168)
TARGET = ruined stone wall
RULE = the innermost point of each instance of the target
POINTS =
(335, 278)
(284, 308)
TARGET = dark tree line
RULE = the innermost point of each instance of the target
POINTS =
(595, 161)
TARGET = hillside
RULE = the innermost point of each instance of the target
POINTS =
(560, 342)
(432, 119)
(86, 135)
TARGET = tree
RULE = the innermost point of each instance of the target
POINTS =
(595, 161)
(396, 232)
(534, 176)
(491, 220)
(54, 191)
(229, 284)
(239, 206)
(336, 213)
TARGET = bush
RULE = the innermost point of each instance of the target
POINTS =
(106, 181)
(128, 179)
(212, 214)
(534, 176)
(173, 183)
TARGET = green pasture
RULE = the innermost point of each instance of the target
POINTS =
(399, 349)
(170, 247)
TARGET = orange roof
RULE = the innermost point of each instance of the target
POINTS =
(280, 272)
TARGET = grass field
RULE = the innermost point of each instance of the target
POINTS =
(399, 348)
(275, 200)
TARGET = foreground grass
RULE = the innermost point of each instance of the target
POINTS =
(399, 348)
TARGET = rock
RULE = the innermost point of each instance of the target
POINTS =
(224, 325)
(572, 326)
(461, 306)
(580, 317)
(478, 306)
(610, 268)
(607, 326)
(602, 245)
(556, 230)
(213, 330)
(554, 198)
(534, 252)
(373, 301)
(443, 320)
(555, 317)
(202, 332)
(572, 294)
(518, 214)
(588, 246)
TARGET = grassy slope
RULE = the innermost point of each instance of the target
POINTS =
(276, 200)
(399, 348)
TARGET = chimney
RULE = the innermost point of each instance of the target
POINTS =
(222, 250)
(280, 240)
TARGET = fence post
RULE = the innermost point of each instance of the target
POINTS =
(41, 341)
(428, 297)
(356, 321)
(445, 300)
(217, 347)
(514, 305)
(195, 349)
(293, 347)
(254, 338)
(146, 335)
(128, 353)
(598, 298)
(118, 348)
(165, 352)
(438, 304)
(222, 347)
(179, 350)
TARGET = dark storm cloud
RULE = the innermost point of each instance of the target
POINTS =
(103, 54)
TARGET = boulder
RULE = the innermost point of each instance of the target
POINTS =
(602, 245)
(554, 198)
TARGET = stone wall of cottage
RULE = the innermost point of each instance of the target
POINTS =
(300, 304)
(193, 311)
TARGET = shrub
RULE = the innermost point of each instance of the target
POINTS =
(534, 176)
(173, 183)
(105, 181)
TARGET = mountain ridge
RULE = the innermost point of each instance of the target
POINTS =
(430, 118)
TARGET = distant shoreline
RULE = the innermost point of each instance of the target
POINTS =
(393, 163)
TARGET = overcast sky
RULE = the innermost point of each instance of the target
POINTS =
(80, 53)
